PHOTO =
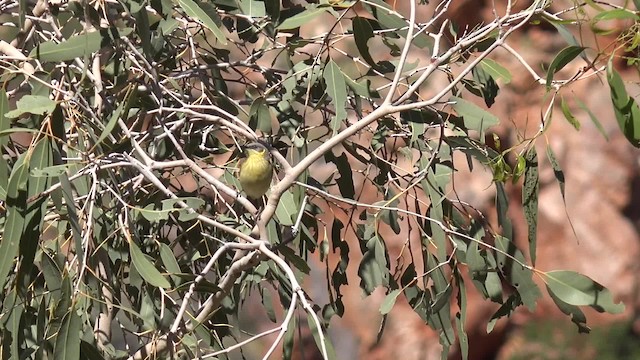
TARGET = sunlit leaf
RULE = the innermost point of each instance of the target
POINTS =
(474, 117)
(32, 104)
(304, 17)
(192, 9)
(579, 290)
(77, 46)
(337, 89)
(496, 70)
(389, 301)
(561, 60)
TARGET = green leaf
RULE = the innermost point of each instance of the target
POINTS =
(616, 14)
(593, 118)
(557, 170)
(373, 271)
(193, 10)
(253, 8)
(170, 263)
(77, 46)
(517, 275)
(390, 19)
(337, 89)
(293, 258)
(313, 326)
(304, 17)
(389, 301)
(625, 108)
(568, 115)
(474, 117)
(461, 317)
(362, 33)
(16, 210)
(579, 290)
(439, 313)
(260, 117)
(67, 344)
(482, 270)
(530, 191)
(345, 182)
(506, 309)
(5, 122)
(574, 312)
(287, 209)
(561, 60)
(496, 70)
(146, 269)
(32, 104)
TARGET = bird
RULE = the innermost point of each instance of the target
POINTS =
(255, 170)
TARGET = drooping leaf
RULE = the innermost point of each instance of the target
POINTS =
(461, 318)
(593, 118)
(566, 111)
(362, 33)
(287, 209)
(260, 116)
(518, 275)
(574, 312)
(616, 14)
(313, 326)
(67, 345)
(16, 212)
(345, 182)
(389, 301)
(507, 308)
(530, 190)
(624, 107)
(579, 290)
(337, 89)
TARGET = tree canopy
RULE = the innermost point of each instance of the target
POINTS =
(125, 233)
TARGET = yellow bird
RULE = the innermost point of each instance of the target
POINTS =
(255, 170)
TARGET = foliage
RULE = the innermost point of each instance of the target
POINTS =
(120, 124)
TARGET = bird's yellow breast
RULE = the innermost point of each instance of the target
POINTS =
(255, 173)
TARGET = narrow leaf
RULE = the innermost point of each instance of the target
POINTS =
(67, 344)
(593, 118)
(561, 60)
(192, 9)
(146, 269)
(530, 191)
(568, 115)
(337, 89)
